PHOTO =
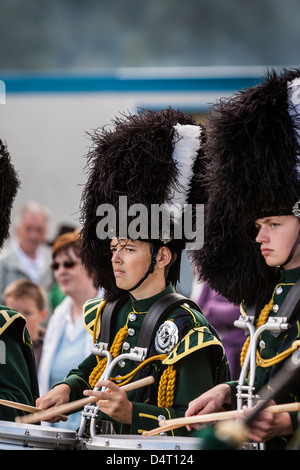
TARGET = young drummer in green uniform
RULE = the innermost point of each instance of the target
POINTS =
(18, 381)
(140, 159)
(251, 253)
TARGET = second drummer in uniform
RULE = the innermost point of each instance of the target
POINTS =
(251, 253)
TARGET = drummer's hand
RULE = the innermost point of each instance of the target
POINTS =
(209, 402)
(57, 396)
(113, 401)
(268, 425)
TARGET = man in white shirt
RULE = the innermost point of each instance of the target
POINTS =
(26, 257)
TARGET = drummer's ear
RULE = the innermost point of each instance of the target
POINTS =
(164, 257)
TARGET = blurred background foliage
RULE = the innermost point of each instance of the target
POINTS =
(102, 34)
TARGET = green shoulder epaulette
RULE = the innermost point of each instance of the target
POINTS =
(7, 317)
(90, 310)
(197, 338)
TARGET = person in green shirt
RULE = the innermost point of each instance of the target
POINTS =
(251, 253)
(182, 351)
(18, 379)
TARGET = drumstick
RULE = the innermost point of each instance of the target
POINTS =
(28, 408)
(167, 425)
(76, 405)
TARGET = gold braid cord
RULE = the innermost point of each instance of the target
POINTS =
(166, 388)
(114, 350)
(167, 382)
(263, 317)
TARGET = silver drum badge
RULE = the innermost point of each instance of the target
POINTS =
(166, 337)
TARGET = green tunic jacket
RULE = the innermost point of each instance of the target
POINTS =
(18, 379)
(270, 346)
(198, 358)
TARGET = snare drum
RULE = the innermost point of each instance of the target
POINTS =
(21, 436)
(131, 442)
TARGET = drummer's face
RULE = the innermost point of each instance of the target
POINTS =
(276, 236)
(130, 261)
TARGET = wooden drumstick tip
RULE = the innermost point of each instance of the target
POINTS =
(146, 434)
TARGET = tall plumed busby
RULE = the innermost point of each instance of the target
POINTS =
(9, 185)
(253, 172)
(149, 158)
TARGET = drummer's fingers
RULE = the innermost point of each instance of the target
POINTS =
(106, 395)
(45, 403)
(111, 394)
(110, 386)
(54, 420)
(93, 393)
(190, 427)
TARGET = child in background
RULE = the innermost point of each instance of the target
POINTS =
(27, 298)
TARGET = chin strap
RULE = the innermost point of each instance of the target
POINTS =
(154, 252)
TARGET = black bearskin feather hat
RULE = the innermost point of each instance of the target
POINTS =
(134, 158)
(9, 185)
(253, 152)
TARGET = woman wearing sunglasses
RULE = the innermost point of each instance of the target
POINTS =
(66, 341)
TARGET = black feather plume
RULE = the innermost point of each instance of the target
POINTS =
(253, 151)
(131, 158)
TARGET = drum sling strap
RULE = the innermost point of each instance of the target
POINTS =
(154, 317)
(108, 319)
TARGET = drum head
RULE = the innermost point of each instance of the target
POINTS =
(29, 436)
(130, 442)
